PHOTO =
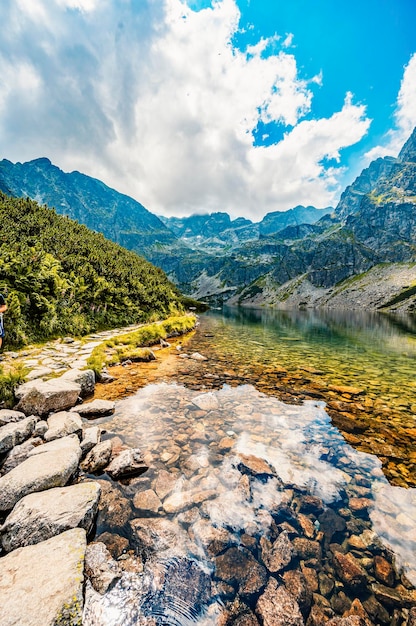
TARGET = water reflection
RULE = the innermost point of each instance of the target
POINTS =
(242, 490)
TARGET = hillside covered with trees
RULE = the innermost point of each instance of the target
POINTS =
(61, 278)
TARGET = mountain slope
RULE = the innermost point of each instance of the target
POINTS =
(62, 278)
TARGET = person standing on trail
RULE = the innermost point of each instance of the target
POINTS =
(3, 308)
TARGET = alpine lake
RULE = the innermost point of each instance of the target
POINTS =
(281, 487)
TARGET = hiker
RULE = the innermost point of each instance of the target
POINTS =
(3, 308)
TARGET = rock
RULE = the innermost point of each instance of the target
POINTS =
(158, 535)
(331, 523)
(98, 457)
(387, 596)
(198, 357)
(307, 549)
(84, 378)
(311, 504)
(352, 620)
(20, 453)
(96, 408)
(277, 607)
(62, 424)
(164, 483)
(41, 398)
(213, 540)
(102, 570)
(383, 571)
(345, 389)
(350, 571)
(360, 506)
(412, 617)
(41, 428)
(39, 516)
(326, 584)
(182, 500)
(115, 544)
(42, 585)
(113, 508)
(90, 438)
(358, 609)
(128, 463)
(39, 372)
(105, 378)
(278, 555)
(206, 401)
(15, 433)
(49, 465)
(253, 465)
(147, 501)
(297, 585)
(237, 566)
(7, 416)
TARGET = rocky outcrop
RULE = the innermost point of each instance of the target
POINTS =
(42, 584)
(40, 516)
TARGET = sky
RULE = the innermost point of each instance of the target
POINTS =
(194, 106)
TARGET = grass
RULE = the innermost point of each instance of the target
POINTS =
(133, 345)
(8, 383)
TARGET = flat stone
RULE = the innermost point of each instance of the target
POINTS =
(98, 457)
(383, 571)
(47, 466)
(84, 378)
(43, 397)
(128, 463)
(164, 483)
(206, 401)
(40, 516)
(42, 585)
(278, 555)
(237, 566)
(100, 567)
(147, 501)
(39, 372)
(277, 607)
(90, 438)
(351, 391)
(7, 416)
(63, 424)
(182, 500)
(15, 433)
(96, 408)
(196, 356)
(253, 465)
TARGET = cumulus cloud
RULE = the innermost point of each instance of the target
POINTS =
(157, 102)
(404, 116)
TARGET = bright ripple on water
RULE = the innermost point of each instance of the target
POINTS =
(198, 438)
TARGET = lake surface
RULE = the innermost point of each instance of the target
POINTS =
(257, 508)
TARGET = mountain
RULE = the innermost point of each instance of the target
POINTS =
(277, 221)
(62, 278)
(87, 200)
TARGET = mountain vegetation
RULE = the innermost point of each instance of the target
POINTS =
(61, 278)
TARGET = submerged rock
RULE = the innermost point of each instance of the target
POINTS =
(40, 516)
(239, 567)
(277, 607)
(98, 457)
(100, 567)
(42, 585)
(128, 463)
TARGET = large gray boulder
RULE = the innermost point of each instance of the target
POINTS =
(40, 516)
(19, 453)
(84, 378)
(49, 465)
(42, 585)
(7, 416)
(15, 433)
(62, 424)
(44, 397)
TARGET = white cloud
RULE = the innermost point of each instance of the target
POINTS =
(404, 116)
(157, 102)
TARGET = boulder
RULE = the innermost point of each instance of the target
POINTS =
(18, 454)
(100, 567)
(98, 458)
(63, 424)
(277, 607)
(129, 462)
(15, 433)
(40, 516)
(7, 416)
(96, 408)
(42, 585)
(84, 378)
(49, 465)
(90, 438)
(42, 398)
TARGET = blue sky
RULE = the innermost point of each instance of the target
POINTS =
(245, 106)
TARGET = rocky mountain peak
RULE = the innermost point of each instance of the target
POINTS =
(408, 152)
